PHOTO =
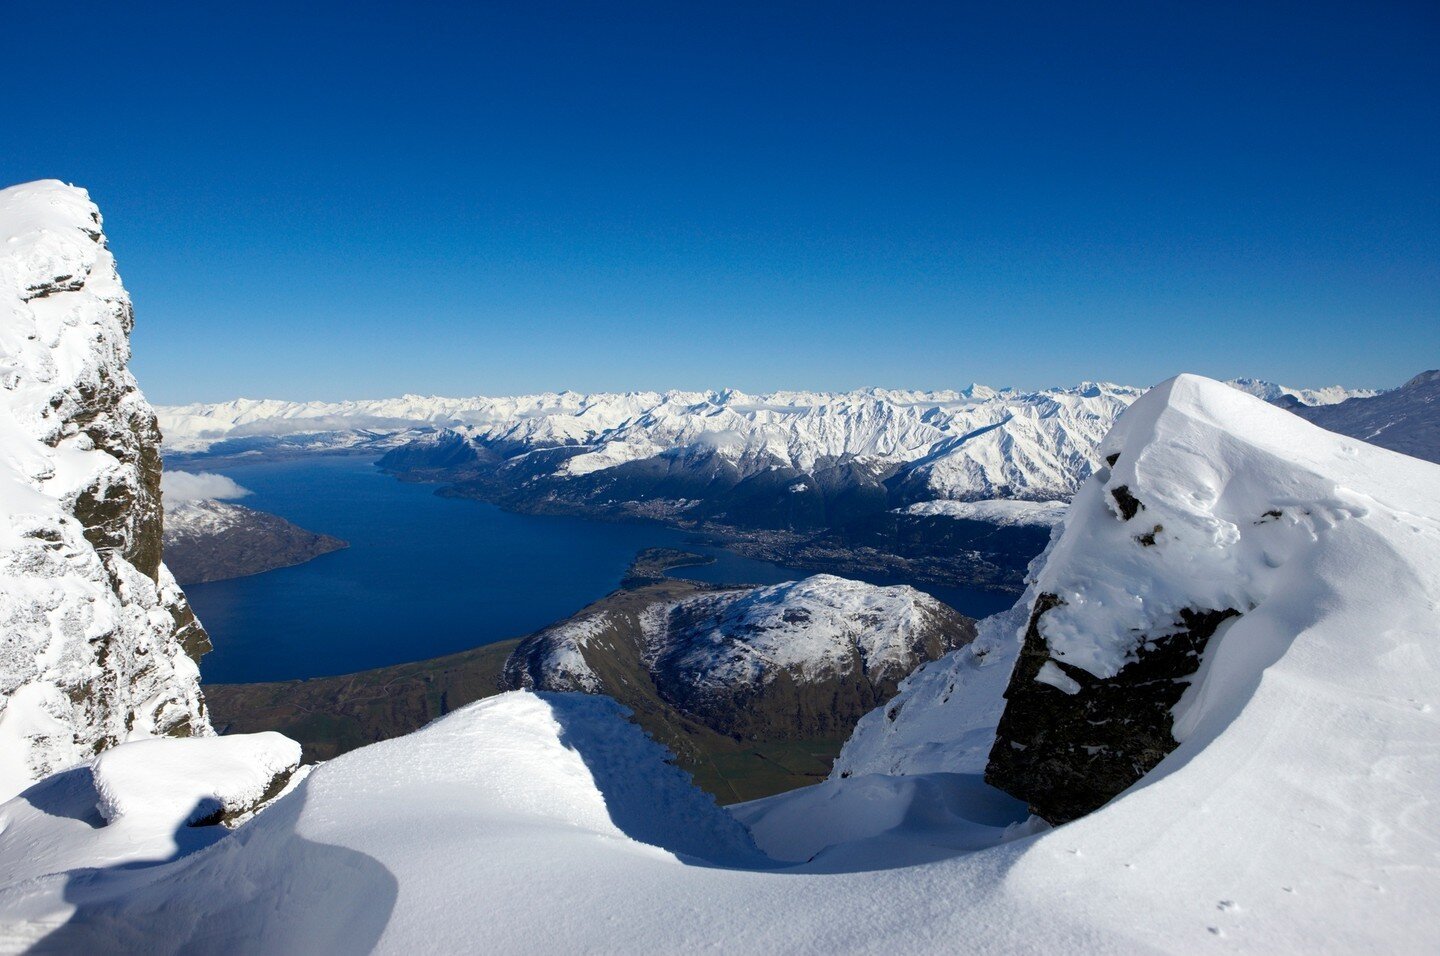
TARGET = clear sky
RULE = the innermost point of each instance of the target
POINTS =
(316, 200)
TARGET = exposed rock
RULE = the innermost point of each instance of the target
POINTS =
(1068, 741)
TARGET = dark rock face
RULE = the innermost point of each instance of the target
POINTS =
(122, 518)
(1068, 754)
(1406, 420)
(215, 541)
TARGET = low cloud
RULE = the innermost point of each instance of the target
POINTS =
(178, 487)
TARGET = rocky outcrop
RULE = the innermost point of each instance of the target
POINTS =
(99, 645)
(1068, 741)
(1213, 510)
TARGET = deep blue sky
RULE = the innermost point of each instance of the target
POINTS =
(357, 200)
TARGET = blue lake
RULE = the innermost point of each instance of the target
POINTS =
(426, 575)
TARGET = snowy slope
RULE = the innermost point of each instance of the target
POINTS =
(944, 717)
(1405, 419)
(96, 640)
(809, 630)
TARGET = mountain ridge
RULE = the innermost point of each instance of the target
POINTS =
(100, 645)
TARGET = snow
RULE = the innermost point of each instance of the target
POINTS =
(1002, 512)
(807, 629)
(949, 810)
(978, 443)
(1050, 673)
(201, 519)
(1295, 817)
(1296, 813)
(178, 781)
(943, 718)
(1247, 498)
(561, 659)
(1328, 395)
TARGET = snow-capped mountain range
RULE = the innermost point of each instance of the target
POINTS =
(974, 443)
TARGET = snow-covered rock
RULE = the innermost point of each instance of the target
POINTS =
(1302, 546)
(1225, 532)
(810, 630)
(193, 781)
(97, 643)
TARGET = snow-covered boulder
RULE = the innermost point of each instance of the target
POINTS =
(97, 642)
(195, 781)
(1224, 534)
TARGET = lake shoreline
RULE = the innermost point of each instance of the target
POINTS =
(428, 575)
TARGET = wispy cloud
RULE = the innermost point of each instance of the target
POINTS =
(178, 487)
